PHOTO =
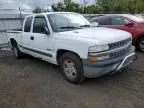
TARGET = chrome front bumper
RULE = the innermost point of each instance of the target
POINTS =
(97, 69)
(127, 60)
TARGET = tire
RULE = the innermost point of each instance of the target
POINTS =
(18, 54)
(140, 44)
(72, 68)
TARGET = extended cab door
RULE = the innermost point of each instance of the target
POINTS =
(42, 46)
(27, 39)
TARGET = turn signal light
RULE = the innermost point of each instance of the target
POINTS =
(92, 59)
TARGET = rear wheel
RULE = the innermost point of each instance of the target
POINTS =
(72, 68)
(141, 44)
(17, 52)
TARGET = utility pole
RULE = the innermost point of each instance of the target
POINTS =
(19, 5)
(21, 15)
(84, 7)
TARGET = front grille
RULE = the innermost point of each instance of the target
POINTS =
(120, 53)
(119, 44)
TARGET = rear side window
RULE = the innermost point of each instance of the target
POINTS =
(39, 24)
(119, 21)
(104, 21)
(28, 22)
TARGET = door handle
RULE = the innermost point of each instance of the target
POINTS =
(32, 38)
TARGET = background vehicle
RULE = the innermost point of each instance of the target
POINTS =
(68, 40)
(130, 23)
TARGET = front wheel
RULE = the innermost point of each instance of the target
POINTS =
(72, 68)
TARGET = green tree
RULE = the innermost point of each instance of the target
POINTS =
(60, 6)
(94, 9)
(71, 6)
(101, 7)
(139, 6)
(38, 10)
(121, 6)
(106, 5)
(68, 6)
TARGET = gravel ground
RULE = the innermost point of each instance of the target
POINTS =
(32, 83)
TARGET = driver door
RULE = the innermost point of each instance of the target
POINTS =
(42, 40)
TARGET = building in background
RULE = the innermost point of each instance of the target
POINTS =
(10, 19)
(11, 15)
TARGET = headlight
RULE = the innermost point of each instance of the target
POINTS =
(96, 49)
(92, 54)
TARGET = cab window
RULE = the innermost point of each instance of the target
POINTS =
(28, 22)
(39, 24)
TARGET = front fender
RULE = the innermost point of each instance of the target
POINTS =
(136, 38)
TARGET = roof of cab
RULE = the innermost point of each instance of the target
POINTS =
(48, 13)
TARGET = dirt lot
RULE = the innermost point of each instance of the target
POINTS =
(32, 83)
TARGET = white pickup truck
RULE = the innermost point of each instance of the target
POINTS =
(67, 39)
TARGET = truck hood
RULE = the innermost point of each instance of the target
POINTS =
(97, 35)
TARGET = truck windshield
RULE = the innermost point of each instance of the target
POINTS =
(67, 21)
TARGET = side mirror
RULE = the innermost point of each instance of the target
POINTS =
(46, 30)
(129, 24)
(95, 24)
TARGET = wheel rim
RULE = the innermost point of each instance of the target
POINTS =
(69, 69)
(142, 44)
(15, 52)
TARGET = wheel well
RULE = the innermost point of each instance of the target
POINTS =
(61, 52)
(139, 39)
(13, 41)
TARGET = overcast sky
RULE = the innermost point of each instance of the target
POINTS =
(12, 4)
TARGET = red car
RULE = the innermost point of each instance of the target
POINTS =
(130, 23)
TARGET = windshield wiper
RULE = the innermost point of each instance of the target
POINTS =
(85, 26)
(69, 27)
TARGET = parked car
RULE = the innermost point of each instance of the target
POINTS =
(130, 23)
(140, 15)
(68, 40)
